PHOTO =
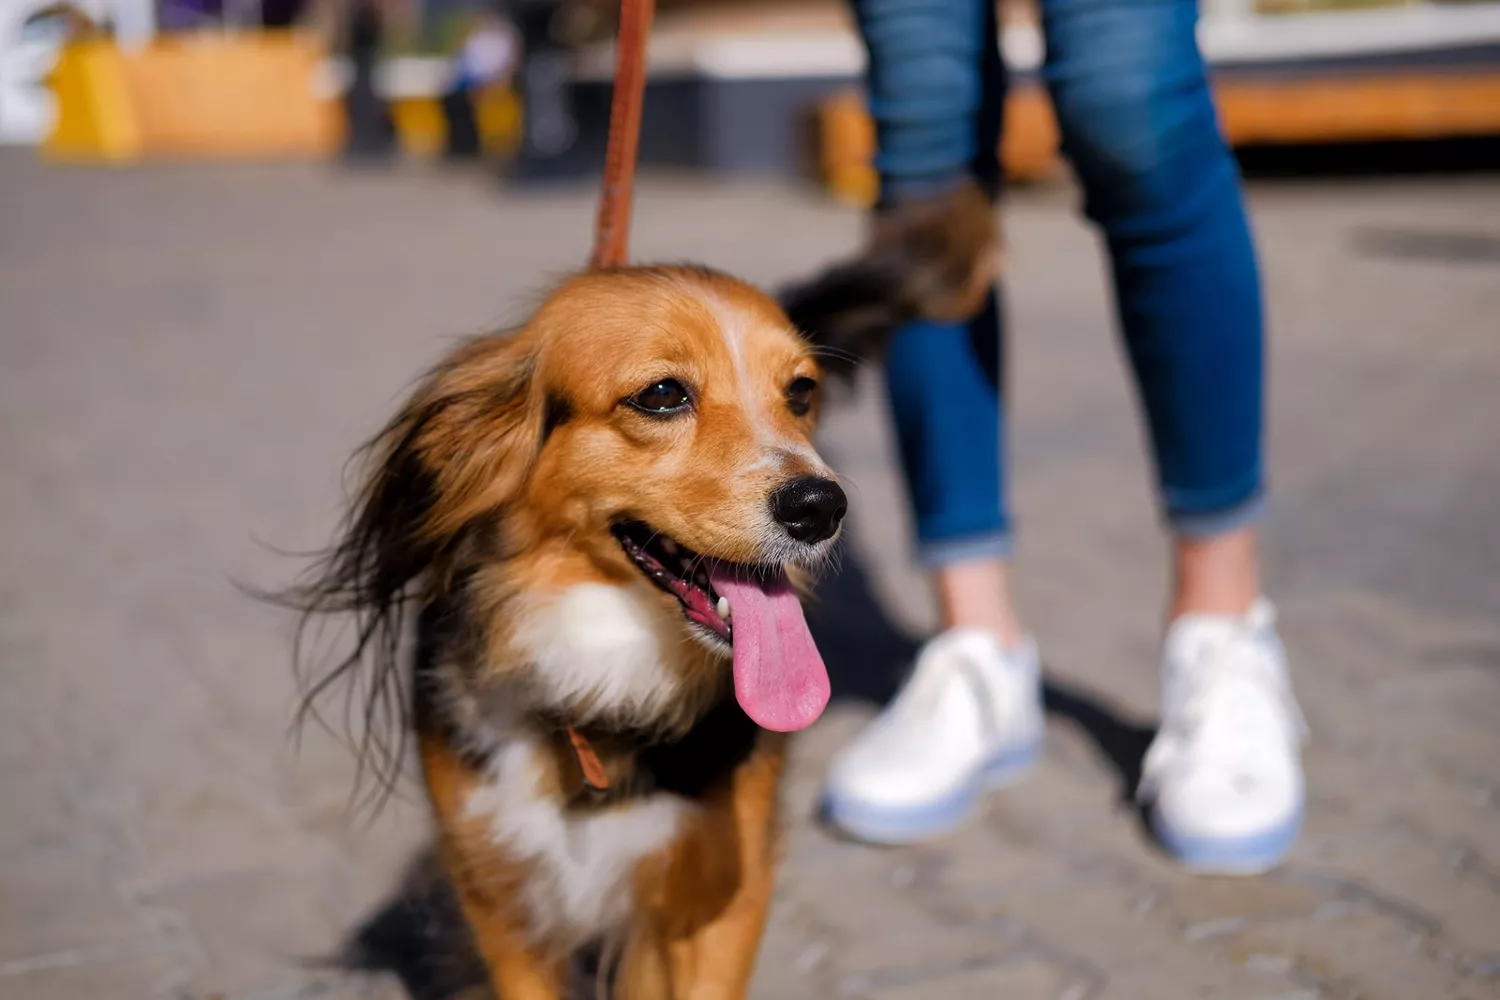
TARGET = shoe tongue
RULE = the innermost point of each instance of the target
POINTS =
(1191, 636)
(1196, 630)
(1195, 642)
(779, 677)
(1222, 651)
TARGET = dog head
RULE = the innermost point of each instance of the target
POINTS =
(612, 495)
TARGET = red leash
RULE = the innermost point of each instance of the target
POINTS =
(612, 230)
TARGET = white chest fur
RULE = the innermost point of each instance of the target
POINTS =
(606, 646)
(580, 865)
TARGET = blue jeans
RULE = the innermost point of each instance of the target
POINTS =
(1138, 126)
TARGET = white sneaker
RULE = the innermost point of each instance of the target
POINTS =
(1223, 776)
(969, 719)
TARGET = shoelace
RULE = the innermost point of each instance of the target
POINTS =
(1221, 719)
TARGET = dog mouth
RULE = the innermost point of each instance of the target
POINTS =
(681, 572)
(752, 613)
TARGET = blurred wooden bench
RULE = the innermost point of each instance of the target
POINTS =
(1395, 105)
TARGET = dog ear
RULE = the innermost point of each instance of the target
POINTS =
(462, 446)
(471, 433)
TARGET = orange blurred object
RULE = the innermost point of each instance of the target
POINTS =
(1311, 109)
(846, 140)
(247, 95)
(1395, 105)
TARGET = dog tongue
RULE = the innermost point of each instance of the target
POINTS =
(779, 678)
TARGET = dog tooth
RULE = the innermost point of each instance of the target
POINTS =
(723, 608)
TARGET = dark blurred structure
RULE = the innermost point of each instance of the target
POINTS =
(555, 145)
(371, 133)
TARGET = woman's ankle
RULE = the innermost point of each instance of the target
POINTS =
(1218, 575)
(976, 594)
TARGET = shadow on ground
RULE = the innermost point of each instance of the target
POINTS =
(419, 935)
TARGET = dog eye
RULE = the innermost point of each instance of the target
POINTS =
(666, 396)
(799, 395)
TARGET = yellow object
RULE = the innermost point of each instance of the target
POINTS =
(420, 128)
(846, 140)
(498, 113)
(247, 95)
(422, 131)
(244, 95)
(96, 117)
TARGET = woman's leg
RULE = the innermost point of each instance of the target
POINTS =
(1216, 574)
(943, 383)
(937, 92)
(1139, 127)
(970, 716)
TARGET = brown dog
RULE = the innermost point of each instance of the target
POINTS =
(595, 514)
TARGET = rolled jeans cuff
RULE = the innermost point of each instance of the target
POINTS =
(934, 553)
(1219, 521)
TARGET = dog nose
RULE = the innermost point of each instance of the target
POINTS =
(810, 508)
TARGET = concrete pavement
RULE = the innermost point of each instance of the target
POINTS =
(188, 355)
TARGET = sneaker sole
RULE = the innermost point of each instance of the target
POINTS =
(1255, 854)
(928, 820)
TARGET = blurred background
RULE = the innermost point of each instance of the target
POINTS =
(233, 231)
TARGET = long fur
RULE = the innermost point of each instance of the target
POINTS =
(389, 559)
(930, 258)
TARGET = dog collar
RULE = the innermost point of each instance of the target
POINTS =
(595, 778)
